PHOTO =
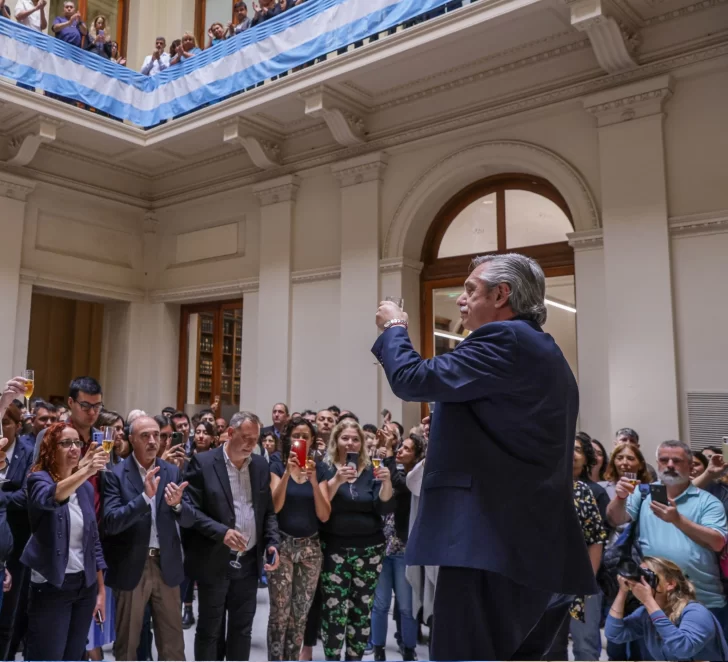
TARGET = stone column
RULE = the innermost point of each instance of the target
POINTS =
(14, 303)
(277, 198)
(591, 334)
(361, 182)
(639, 307)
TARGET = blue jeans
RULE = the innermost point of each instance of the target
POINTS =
(393, 578)
(722, 615)
(587, 636)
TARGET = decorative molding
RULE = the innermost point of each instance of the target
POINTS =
(361, 169)
(282, 189)
(344, 118)
(150, 224)
(586, 240)
(629, 102)
(698, 224)
(688, 10)
(80, 287)
(314, 275)
(211, 292)
(397, 264)
(614, 44)
(24, 145)
(15, 187)
(263, 150)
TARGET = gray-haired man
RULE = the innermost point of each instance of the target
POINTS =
(235, 527)
(158, 60)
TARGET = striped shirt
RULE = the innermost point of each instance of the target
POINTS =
(242, 498)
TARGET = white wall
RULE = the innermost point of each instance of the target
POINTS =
(700, 272)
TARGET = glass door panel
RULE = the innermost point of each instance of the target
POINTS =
(447, 330)
(232, 346)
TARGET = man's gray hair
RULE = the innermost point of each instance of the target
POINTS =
(525, 278)
(673, 443)
(243, 416)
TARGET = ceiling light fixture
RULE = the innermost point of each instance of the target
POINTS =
(449, 336)
(563, 306)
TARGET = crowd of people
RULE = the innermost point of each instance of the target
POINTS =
(108, 547)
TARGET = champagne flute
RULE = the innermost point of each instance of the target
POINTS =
(376, 463)
(29, 376)
(236, 563)
(98, 439)
(107, 442)
(397, 301)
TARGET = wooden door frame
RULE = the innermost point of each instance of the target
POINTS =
(122, 21)
(217, 308)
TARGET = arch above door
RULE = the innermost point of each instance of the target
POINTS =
(451, 174)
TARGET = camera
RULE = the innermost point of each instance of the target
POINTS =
(635, 573)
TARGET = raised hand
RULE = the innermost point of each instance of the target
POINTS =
(173, 493)
(151, 482)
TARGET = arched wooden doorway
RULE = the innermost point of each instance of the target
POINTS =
(506, 213)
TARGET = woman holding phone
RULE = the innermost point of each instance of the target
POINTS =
(64, 550)
(353, 539)
(301, 506)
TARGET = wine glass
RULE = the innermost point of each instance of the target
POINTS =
(632, 478)
(107, 443)
(236, 563)
(397, 301)
(376, 463)
(29, 376)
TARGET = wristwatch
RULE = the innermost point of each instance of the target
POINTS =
(177, 508)
(395, 322)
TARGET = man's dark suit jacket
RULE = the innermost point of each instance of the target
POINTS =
(15, 495)
(497, 493)
(207, 557)
(127, 524)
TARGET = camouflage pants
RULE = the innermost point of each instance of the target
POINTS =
(292, 588)
(348, 581)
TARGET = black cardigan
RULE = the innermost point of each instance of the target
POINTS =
(402, 498)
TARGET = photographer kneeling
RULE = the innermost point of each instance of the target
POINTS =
(673, 624)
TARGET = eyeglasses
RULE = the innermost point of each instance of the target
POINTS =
(67, 443)
(87, 406)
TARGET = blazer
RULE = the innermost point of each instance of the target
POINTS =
(15, 495)
(497, 493)
(210, 495)
(127, 525)
(47, 549)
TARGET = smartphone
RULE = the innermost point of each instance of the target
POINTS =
(98, 438)
(725, 450)
(99, 620)
(270, 558)
(176, 439)
(659, 494)
(352, 460)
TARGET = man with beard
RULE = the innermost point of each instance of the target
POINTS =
(690, 530)
(325, 422)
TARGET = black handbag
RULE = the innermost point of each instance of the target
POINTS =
(622, 558)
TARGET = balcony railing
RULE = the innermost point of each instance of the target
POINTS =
(300, 36)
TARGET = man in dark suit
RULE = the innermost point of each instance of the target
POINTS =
(496, 512)
(229, 489)
(142, 508)
(15, 460)
(280, 420)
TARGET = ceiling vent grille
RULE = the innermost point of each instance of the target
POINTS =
(708, 416)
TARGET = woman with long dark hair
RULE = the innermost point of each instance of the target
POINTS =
(64, 551)
(396, 532)
(599, 469)
(301, 506)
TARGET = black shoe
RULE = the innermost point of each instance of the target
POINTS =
(379, 654)
(409, 655)
(188, 618)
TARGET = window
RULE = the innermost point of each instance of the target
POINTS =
(115, 13)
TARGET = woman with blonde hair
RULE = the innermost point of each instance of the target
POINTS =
(626, 458)
(671, 622)
(100, 24)
(187, 49)
(352, 539)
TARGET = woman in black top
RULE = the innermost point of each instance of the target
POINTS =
(353, 540)
(396, 532)
(300, 506)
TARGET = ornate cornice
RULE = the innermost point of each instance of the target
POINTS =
(345, 118)
(314, 275)
(630, 102)
(397, 264)
(697, 224)
(263, 148)
(368, 168)
(211, 292)
(15, 187)
(83, 287)
(687, 10)
(586, 240)
(282, 189)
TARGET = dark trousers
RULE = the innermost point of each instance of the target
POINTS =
(313, 623)
(481, 615)
(236, 595)
(14, 612)
(59, 619)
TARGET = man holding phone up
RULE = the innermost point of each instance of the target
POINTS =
(158, 60)
(678, 522)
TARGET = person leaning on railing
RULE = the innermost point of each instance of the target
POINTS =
(31, 13)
